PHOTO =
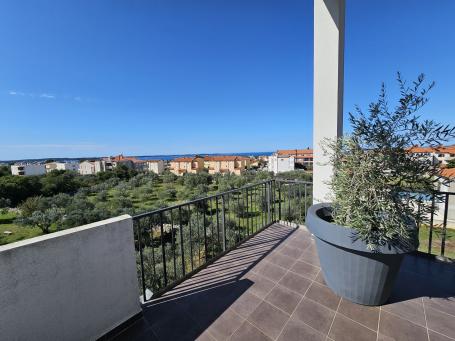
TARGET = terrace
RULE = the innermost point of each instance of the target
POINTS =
(238, 265)
(271, 288)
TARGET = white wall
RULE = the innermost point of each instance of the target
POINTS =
(76, 284)
(28, 169)
(328, 87)
(281, 164)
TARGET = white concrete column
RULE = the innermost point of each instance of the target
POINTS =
(328, 86)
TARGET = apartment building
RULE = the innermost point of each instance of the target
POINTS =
(182, 165)
(281, 163)
(23, 169)
(438, 155)
(155, 166)
(302, 157)
(286, 160)
(90, 167)
(71, 166)
(226, 164)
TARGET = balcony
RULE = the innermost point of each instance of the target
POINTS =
(240, 265)
(271, 288)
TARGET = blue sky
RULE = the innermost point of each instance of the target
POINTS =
(89, 78)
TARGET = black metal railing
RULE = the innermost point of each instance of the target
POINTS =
(174, 242)
(437, 234)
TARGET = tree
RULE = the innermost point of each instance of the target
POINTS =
(376, 179)
(4, 170)
(451, 163)
(44, 219)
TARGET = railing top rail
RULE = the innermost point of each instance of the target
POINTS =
(195, 201)
(303, 182)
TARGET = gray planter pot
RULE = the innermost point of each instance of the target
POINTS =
(350, 269)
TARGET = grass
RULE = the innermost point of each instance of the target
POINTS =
(424, 236)
(18, 233)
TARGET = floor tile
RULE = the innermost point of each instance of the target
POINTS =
(295, 282)
(225, 325)
(271, 271)
(246, 304)
(320, 278)
(290, 251)
(281, 260)
(441, 322)
(437, 337)
(315, 315)
(283, 298)
(411, 310)
(368, 316)
(344, 329)
(400, 329)
(247, 332)
(444, 304)
(268, 319)
(297, 331)
(323, 295)
(305, 269)
(261, 286)
(310, 257)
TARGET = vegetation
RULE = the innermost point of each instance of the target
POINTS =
(64, 199)
(451, 163)
(376, 180)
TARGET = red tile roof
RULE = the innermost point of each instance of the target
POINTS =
(448, 173)
(439, 149)
(296, 152)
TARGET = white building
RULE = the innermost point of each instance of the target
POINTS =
(281, 163)
(28, 169)
(71, 166)
(93, 167)
(438, 155)
(155, 166)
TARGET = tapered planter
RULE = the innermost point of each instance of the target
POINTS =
(350, 269)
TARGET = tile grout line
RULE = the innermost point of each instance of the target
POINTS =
(426, 322)
(334, 317)
(379, 322)
(439, 333)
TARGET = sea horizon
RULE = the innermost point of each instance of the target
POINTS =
(165, 157)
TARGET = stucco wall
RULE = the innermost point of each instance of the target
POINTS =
(75, 284)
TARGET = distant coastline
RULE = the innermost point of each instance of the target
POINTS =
(141, 157)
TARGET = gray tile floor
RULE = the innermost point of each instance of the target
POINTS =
(271, 288)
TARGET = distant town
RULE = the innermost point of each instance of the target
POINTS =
(280, 161)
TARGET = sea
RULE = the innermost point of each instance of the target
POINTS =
(141, 157)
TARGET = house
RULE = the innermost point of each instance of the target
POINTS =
(438, 155)
(94, 166)
(188, 164)
(226, 164)
(302, 157)
(285, 160)
(281, 163)
(71, 166)
(155, 166)
(28, 169)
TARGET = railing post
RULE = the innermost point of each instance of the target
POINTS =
(223, 222)
(205, 235)
(139, 237)
(268, 197)
(279, 201)
(162, 249)
(430, 237)
(181, 240)
(444, 225)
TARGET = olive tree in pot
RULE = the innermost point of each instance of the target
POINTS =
(368, 226)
